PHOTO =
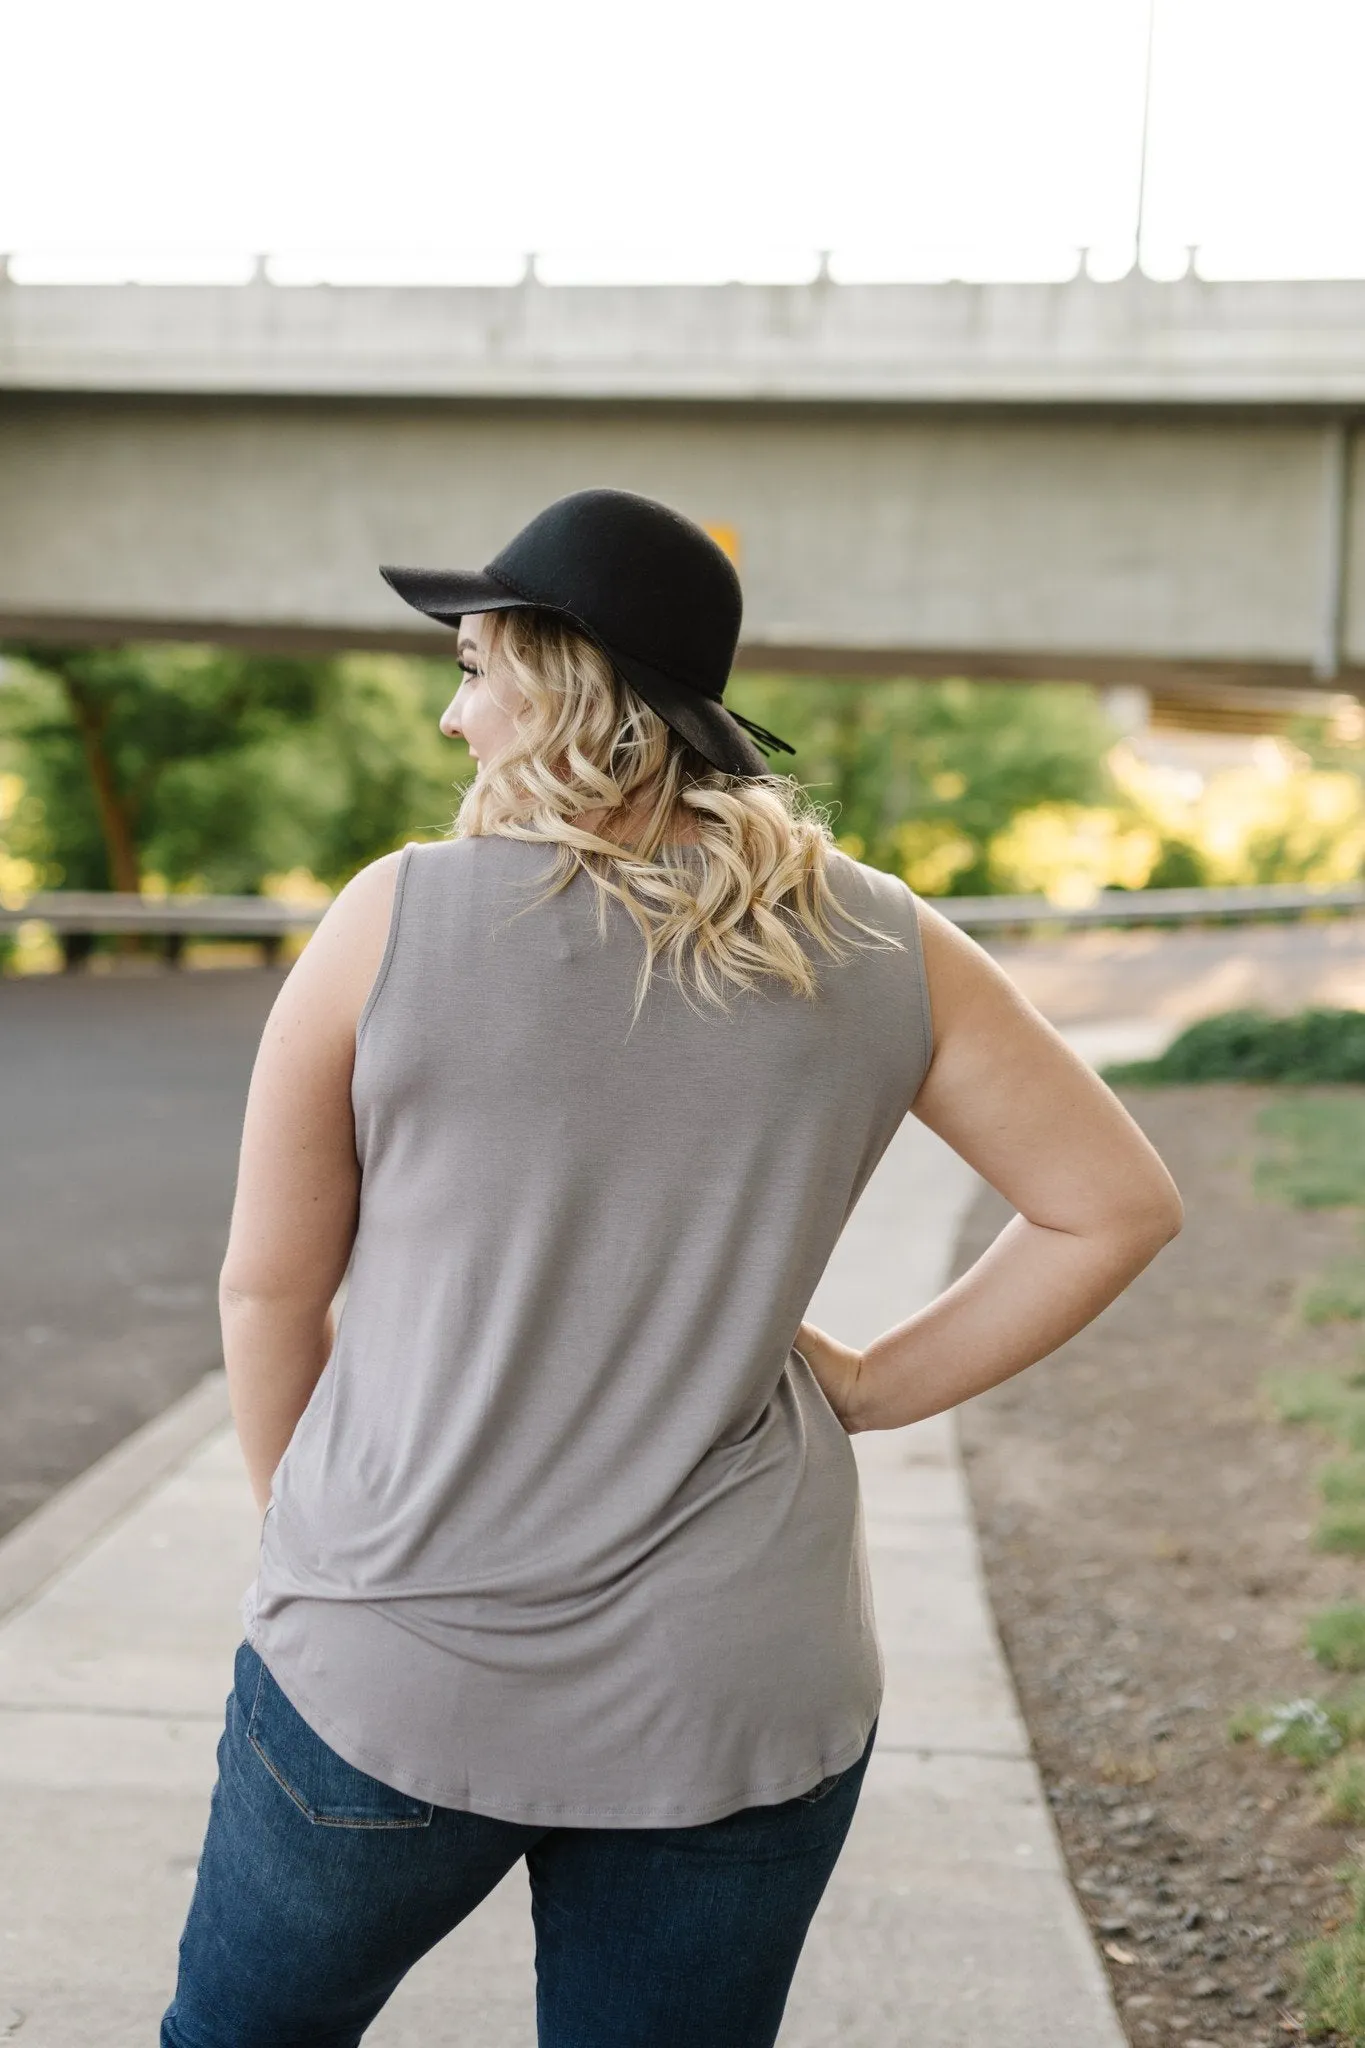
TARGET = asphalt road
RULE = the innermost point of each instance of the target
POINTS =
(120, 1111)
(1176, 976)
(120, 1107)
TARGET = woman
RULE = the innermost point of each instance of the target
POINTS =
(561, 1555)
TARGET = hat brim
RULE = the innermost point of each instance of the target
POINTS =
(448, 595)
(703, 722)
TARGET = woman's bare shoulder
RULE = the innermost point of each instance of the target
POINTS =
(1007, 1092)
(972, 998)
(331, 980)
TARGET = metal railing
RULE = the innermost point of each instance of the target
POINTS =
(100, 910)
(1149, 906)
(262, 917)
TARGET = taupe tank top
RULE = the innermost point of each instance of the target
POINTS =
(568, 1533)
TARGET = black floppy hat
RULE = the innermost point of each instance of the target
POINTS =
(646, 585)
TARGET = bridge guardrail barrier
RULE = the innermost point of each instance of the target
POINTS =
(101, 910)
(262, 917)
(1149, 906)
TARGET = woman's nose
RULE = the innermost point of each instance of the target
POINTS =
(450, 724)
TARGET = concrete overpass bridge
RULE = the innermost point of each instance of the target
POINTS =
(1127, 482)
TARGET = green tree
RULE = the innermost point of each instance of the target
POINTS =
(102, 728)
(214, 768)
(369, 772)
(958, 756)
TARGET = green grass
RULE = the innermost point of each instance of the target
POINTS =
(1343, 1793)
(1323, 1399)
(1343, 1482)
(1301, 1730)
(1337, 1638)
(1347, 1714)
(1251, 1045)
(1338, 1295)
(1332, 1978)
(1315, 1151)
(1308, 1730)
(1341, 1528)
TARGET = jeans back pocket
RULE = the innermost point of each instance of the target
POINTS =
(324, 1787)
(822, 1790)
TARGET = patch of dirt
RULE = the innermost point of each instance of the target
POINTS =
(1145, 1523)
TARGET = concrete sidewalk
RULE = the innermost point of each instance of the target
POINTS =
(949, 1923)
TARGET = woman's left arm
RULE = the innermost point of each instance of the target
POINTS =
(298, 1180)
(1094, 1202)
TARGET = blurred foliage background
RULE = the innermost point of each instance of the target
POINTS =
(171, 768)
(972, 788)
(193, 768)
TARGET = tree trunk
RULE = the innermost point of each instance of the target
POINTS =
(115, 812)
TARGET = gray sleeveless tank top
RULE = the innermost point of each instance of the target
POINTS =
(568, 1533)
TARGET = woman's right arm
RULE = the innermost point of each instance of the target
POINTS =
(1095, 1204)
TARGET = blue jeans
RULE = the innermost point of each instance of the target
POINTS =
(318, 1889)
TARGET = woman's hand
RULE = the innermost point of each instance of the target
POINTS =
(838, 1369)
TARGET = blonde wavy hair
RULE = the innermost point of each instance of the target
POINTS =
(586, 743)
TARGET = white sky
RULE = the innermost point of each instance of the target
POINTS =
(712, 138)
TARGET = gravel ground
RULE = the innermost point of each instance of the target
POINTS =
(1145, 1524)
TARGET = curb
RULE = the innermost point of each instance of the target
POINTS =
(54, 1534)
